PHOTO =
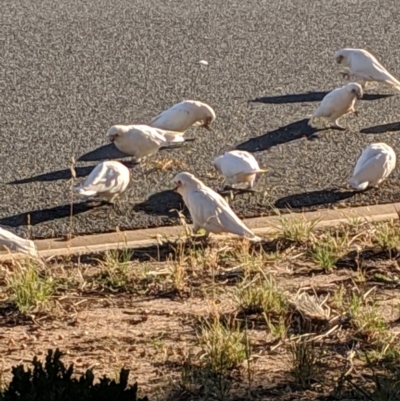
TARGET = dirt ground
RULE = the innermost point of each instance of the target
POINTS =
(147, 311)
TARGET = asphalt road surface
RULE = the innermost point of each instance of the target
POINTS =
(72, 68)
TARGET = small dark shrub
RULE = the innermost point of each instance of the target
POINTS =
(54, 382)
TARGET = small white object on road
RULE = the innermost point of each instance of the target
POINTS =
(203, 62)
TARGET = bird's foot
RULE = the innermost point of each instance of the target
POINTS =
(345, 75)
(338, 127)
(356, 113)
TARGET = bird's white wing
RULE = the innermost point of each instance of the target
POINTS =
(211, 211)
(248, 158)
(97, 176)
(177, 118)
(373, 170)
(231, 165)
(368, 67)
(332, 103)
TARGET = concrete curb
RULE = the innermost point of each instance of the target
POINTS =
(150, 237)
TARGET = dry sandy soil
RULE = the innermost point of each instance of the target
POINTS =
(178, 314)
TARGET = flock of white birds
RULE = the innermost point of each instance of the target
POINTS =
(208, 209)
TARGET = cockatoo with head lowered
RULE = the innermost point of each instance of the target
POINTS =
(140, 141)
(375, 164)
(208, 209)
(183, 115)
(238, 166)
(13, 242)
(107, 180)
(365, 66)
(338, 103)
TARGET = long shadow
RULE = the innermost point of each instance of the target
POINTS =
(288, 133)
(306, 199)
(54, 213)
(64, 174)
(381, 129)
(309, 97)
(56, 175)
(110, 151)
(104, 152)
(162, 204)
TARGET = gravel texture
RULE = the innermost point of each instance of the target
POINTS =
(70, 69)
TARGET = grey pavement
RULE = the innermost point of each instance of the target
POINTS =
(69, 69)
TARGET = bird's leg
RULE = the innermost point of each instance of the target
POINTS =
(345, 75)
(336, 125)
(310, 120)
(356, 113)
(363, 84)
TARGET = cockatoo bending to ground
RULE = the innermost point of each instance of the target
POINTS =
(183, 115)
(365, 66)
(12, 242)
(238, 166)
(208, 209)
(338, 103)
(107, 180)
(140, 141)
(375, 164)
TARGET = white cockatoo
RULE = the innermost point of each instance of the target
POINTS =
(141, 140)
(13, 242)
(238, 166)
(107, 180)
(375, 164)
(365, 66)
(183, 115)
(338, 103)
(208, 209)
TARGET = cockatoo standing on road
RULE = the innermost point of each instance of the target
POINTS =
(107, 180)
(208, 209)
(140, 141)
(375, 164)
(183, 115)
(365, 66)
(238, 166)
(338, 103)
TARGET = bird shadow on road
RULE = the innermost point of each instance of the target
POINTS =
(43, 215)
(64, 174)
(381, 129)
(110, 152)
(56, 175)
(288, 133)
(105, 152)
(309, 97)
(313, 198)
(165, 203)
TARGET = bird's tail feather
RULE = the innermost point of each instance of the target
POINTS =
(173, 136)
(85, 192)
(354, 183)
(394, 83)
